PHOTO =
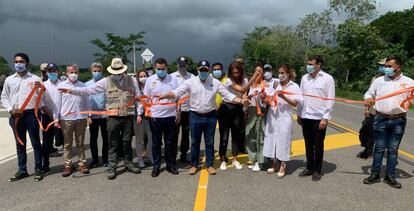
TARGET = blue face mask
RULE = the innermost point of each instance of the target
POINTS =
(161, 73)
(389, 71)
(217, 73)
(310, 68)
(52, 76)
(203, 75)
(20, 67)
(97, 75)
(381, 69)
(117, 77)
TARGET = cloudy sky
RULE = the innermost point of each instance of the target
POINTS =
(210, 30)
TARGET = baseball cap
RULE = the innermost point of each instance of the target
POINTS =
(182, 61)
(52, 66)
(43, 66)
(267, 66)
(203, 64)
(382, 61)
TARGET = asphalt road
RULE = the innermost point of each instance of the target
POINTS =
(341, 187)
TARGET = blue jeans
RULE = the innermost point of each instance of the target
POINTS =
(27, 123)
(387, 136)
(200, 124)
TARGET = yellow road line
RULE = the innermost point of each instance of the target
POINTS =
(201, 198)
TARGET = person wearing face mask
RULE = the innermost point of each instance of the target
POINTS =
(120, 89)
(72, 123)
(279, 125)
(15, 91)
(43, 72)
(95, 121)
(314, 114)
(50, 96)
(183, 75)
(163, 117)
(390, 119)
(219, 74)
(268, 75)
(143, 131)
(203, 112)
(366, 131)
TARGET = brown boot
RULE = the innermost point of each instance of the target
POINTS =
(83, 169)
(211, 170)
(193, 170)
(67, 171)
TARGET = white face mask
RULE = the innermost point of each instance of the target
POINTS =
(282, 77)
(268, 75)
(142, 80)
(73, 77)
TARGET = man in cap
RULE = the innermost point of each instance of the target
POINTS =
(43, 68)
(268, 75)
(51, 96)
(181, 76)
(120, 92)
(203, 112)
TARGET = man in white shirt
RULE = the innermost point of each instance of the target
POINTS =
(203, 112)
(182, 75)
(120, 91)
(51, 96)
(73, 124)
(15, 91)
(389, 121)
(314, 114)
(163, 117)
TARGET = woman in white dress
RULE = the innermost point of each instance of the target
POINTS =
(279, 124)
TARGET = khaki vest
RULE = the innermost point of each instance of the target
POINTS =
(117, 96)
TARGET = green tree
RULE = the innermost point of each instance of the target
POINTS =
(317, 29)
(117, 46)
(360, 10)
(4, 67)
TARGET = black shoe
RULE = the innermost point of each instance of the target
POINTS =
(373, 178)
(38, 175)
(316, 177)
(184, 160)
(155, 172)
(94, 164)
(111, 174)
(18, 176)
(364, 155)
(131, 168)
(305, 173)
(392, 182)
(172, 170)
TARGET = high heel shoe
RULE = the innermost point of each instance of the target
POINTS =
(282, 166)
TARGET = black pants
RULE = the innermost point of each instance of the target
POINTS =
(119, 135)
(163, 127)
(48, 136)
(366, 134)
(93, 144)
(231, 119)
(314, 143)
(185, 132)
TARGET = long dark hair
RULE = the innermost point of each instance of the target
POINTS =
(239, 66)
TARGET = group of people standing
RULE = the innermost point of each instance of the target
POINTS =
(256, 111)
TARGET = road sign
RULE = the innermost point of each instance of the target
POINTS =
(147, 56)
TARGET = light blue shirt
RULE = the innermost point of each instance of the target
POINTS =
(98, 101)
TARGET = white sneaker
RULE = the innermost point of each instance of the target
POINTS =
(256, 167)
(237, 165)
(250, 166)
(223, 166)
(141, 164)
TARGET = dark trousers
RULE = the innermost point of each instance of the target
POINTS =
(27, 123)
(314, 143)
(120, 129)
(93, 144)
(387, 135)
(231, 118)
(200, 124)
(366, 134)
(185, 132)
(48, 137)
(163, 127)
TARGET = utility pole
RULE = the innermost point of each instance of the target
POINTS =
(135, 69)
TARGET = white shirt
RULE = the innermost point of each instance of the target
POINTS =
(154, 86)
(180, 80)
(52, 94)
(269, 87)
(383, 86)
(102, 85)
(16, 89)
(203, 94)
(322, 85)
(229, 83)
(71, 103)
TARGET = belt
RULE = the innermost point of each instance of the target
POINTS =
(205, 114)
(391, 116)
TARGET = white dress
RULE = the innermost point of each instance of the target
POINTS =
(279, 125)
